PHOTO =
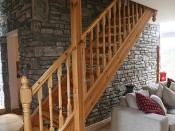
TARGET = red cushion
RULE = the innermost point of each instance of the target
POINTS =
(169, 80)
(148, 105)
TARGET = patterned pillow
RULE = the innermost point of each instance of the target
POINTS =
(148, 105)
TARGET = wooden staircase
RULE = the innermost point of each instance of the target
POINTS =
(103, 47)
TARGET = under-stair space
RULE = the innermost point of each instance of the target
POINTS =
(102, 49)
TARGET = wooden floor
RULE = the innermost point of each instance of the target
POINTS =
(13, 122)
(104, 125)
(10, 122)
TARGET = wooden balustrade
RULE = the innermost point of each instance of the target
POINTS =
(98, 44)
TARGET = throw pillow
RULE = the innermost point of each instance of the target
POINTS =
(169, 80)
(147, 105)
(159, 91)
(168, 97)
(152, 88)
(131, 100)
(144, 92)
(159, 101)
(172, 86)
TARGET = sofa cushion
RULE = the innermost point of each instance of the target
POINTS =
(123, 101)
(172, 86)
(159, 91)
(171, 122)
(131, 100)
(168, 97)
(152, 88)
(148, 105)
(171, 111)
(159, 101)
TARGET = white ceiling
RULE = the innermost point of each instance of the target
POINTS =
(166, 9)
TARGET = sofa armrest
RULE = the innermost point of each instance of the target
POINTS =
(130, 119)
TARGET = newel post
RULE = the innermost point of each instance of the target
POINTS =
(77, 62)
(26, 98)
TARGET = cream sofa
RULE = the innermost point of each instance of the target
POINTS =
(125, 118)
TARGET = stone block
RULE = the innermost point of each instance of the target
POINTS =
(47, 31)
(48, 51)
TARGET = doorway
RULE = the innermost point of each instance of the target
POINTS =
(13, 66)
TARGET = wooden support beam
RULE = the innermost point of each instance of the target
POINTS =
(77, 60)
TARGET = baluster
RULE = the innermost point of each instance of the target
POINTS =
(26, 98)
(114, 13)
(84, 65)
(91, 59)
(97, 49)
(133, 15)
(124, 21)
(144, 8)
(140, 11)
(104, 43)
(50, 102)
(109, 37)
(129, 24)
(40, 96)
(119, 18)
(137, 13)
(69, 105)
(61, 118)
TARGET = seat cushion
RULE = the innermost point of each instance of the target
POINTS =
(171, 121)
(171, 111)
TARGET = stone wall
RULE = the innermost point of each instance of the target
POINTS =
(138, 68)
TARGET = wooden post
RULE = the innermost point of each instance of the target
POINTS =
(26, 98)
(114, 14)
(104, 43)
(119, 21)
(77, 61)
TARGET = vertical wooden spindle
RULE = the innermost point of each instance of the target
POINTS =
(129, 22)
(109, 36)
(114, 13)
(97, 49)
(61, 118)
(140, 10)
(144, 8)
(26, 98)
(104, 43)
(137, 13)
(91, 59)
(69, 105)
(84, 65)
(40, 96)
(133, 15)
(124, 21)
(50, 103)
(119, 21)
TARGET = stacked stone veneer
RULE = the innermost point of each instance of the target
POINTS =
(44, 33)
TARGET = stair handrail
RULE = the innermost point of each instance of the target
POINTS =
(53, 67)
(94, 23)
